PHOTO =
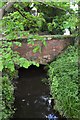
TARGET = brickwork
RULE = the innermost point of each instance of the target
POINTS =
(48, 53)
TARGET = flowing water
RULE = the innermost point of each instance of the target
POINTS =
(32, 96)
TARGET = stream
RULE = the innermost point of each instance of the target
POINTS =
(32, 96)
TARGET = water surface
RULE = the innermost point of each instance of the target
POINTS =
(31, 94)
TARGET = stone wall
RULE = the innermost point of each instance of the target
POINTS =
(53, 48)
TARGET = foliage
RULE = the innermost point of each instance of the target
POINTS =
(2, 4)
(58, 16)
(64, 83)
(63, 5)
(21, 21)
(8, 61)
(59, 23)
(51, 18)
(7, 102)
(13, 25)
(17, 24)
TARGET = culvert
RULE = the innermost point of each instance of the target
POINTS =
(32, 96)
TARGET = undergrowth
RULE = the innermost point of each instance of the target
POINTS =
(64, 83)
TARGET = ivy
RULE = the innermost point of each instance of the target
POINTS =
(64, 83)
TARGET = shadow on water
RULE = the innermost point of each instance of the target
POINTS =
(31, 94)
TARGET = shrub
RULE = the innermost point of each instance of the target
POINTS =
(8, 62)
(64, 83)
(8, 98)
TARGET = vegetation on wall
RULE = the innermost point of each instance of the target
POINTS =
(17, 23)
(8, 64)
(64, 83)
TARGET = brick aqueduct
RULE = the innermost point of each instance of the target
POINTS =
(48, 53)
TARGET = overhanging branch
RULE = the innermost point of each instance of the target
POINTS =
(5, 8)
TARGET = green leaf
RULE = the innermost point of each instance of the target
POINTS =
(18, 44)
(44, 42)
(10, 65)
(21, 27)
(50, 27)
(37, 48)
(37, 64)
(26, 64)
(34, 63)
(1, 66)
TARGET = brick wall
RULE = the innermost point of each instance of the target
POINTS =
(53, 49)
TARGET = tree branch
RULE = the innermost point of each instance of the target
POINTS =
(20, 12)
(52, 6)
(5, 8)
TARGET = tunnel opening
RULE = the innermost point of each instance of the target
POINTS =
(32, 96)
